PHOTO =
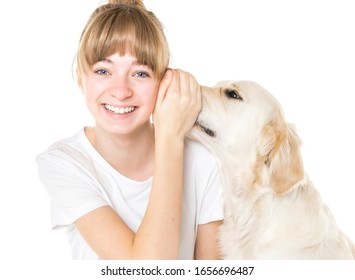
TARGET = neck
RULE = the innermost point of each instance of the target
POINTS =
(132, 155)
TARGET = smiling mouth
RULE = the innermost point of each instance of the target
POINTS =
(119, 110)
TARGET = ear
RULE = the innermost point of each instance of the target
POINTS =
(280, 152)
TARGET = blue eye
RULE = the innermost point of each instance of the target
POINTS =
(141, 74)
(102, 72)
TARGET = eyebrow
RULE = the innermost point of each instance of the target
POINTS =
(106, 60)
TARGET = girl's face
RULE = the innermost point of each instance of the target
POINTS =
(120, 93)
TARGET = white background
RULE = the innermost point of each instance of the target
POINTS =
(301, 51)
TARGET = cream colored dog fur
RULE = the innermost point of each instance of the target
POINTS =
(272, 210)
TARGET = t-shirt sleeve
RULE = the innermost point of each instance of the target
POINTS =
(212, 202)
(71, 190)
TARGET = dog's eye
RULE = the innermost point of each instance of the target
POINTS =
(232, 93)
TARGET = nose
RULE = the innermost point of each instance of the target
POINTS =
(120, 88)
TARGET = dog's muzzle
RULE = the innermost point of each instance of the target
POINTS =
(208, 131)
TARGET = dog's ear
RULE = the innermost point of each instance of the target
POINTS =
(280, 152)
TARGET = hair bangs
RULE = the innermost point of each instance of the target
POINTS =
(124, 31)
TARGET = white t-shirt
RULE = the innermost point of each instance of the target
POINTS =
(79, 180)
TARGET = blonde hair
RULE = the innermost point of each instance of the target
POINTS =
(123, 26)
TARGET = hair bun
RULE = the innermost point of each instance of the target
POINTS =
(138, 3)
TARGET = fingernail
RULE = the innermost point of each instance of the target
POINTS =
(167, 73)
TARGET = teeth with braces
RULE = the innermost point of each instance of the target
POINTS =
(117, 110)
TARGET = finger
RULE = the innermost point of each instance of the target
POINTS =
(198, 97)
(164, 85)
(174, 87)
(194, 88)
(184, 82)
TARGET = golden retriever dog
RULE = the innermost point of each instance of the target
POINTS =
(272, 210)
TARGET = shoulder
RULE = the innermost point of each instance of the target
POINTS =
(199, 163)
(65, 153)
(202, 182)
(197, 154)
(66, 168)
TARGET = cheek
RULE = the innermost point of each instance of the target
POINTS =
(90, 92)
(88, 88)
(89, 96)
(150, 95)
(155, 95)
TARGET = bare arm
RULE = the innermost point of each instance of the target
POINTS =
(158, 236)
(207, 241)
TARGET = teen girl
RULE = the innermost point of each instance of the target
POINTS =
(125, 188)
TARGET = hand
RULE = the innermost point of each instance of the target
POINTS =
(178, 105)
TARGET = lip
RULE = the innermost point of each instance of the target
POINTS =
(205, 129)
(118, 116)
